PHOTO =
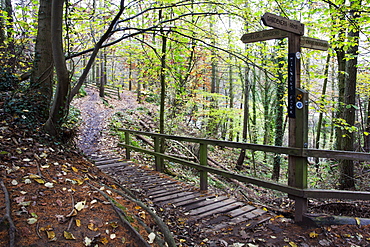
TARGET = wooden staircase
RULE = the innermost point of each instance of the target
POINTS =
(208, 210)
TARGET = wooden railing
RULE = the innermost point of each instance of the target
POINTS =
(109, 90)
(297, 193)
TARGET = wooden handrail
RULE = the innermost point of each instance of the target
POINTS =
(301, 152)
(299, 193)
(304, 193)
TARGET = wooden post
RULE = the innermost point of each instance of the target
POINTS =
(297, 98)
(158, 164)
(301, 134)
(127, 142)
(203, 161)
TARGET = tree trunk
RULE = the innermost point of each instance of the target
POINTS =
(323, 93)
(41, 83)
(279, 118)
(240, 161)
(60, 105)
(349, 112)
(102, 75)
(163, 91)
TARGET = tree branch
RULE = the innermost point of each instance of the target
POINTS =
(7, 215)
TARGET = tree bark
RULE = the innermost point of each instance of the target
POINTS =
(41, 82)
(240, 161)
(349, 112)
(279, 119)
(319, 123)
(60, 105)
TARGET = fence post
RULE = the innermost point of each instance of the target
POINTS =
(203, 161)
(127, 142)
(301, 135)
(119, 96)
(158, 160)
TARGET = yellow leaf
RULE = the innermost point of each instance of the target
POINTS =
(33, 176)
(142, 214)
(293, 244)
(78, 223)
(366, 133)
(265, 209)
(51, 234)
(68, 235)
(39, 180)
(104, 241)
(74, 169)
(92, 227)
(137, 207)
(313, 235)
(358, 221)
(114, 186)
(79, 181)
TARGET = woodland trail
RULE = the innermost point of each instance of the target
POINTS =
(270, 230)
(95, 119)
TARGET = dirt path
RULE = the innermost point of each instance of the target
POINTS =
(96, 115)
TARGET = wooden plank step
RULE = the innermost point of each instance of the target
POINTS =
(172, 196)
(113, 165)
(221, 209)
(241, 218)
(164, 190)
(138, 178)
(214, 205)
(167, 185)
(206, 201)
(161, 182)
(108, 161)
(189, 198)
(240, 211)
(194, 201)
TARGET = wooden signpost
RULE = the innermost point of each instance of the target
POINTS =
(297, 98)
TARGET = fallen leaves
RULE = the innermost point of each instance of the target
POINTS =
(68, 235)
(80, 205)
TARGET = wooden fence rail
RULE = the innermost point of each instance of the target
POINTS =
(109, 90)
(204, 169)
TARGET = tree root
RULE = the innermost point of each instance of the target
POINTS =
(121, 215)
(162, 226)
(7, 215)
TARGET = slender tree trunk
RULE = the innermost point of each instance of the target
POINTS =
(323, 93)
(41, 82)
(349, 112)
(163, 90)
(279, 119)
(240, 161)
(60, 105)
(102, 75)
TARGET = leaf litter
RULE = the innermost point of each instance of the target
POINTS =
(30, 159)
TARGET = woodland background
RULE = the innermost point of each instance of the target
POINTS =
(187, 57)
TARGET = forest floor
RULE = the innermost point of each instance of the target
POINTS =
(56, 197)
